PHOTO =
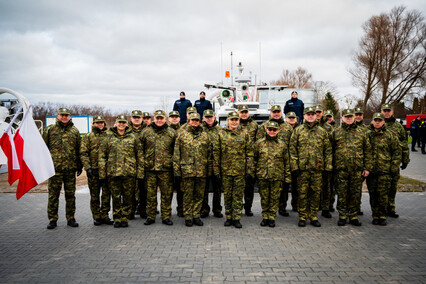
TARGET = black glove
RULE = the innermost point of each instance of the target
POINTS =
(79, 172)
(89, 173)
(404, 166)
(177, 179)
(296, 172)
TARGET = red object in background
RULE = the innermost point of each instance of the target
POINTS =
(411, 117)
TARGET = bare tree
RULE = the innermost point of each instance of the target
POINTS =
(390, 63)
(300, 78)
(165, 104)
(322, 88)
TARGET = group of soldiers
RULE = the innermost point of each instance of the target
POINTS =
(129, 162)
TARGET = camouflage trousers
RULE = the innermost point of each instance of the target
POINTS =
(54, 187)
(179, 195)
(193, 193)
(217, 192)
(249, 193)
(163, 180)
(100, 205)
(233, 187)
(326, 192)
(122, 189)
(378, 187)
(309, 187)
(269, 191)
(392, 192)
(348, 185)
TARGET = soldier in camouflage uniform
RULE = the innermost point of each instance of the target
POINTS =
(63, 140)
(352, 162)
(272, 164)
(291, 118)
(146, 117)
(233, 161)
(212, 128)
(137, 125)
(157, 143)
(189, 110)
(89, 154)
(398, 130)
(386, 159)
(120, 161)
(251, 127)
(325, 193)
(359, 116)
(174, 123)
(310, 155)
(329, 115)
(284, 134)
(191, 157)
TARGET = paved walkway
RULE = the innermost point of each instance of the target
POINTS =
(286, 254)
(416, 167)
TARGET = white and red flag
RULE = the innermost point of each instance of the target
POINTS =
(8, 147)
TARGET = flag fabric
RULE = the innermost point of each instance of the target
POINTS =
(35, 161)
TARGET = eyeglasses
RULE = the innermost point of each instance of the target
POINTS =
(272, 129)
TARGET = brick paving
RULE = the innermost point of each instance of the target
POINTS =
(211, 254)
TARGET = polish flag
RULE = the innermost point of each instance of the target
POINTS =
(8, 147)
(33, 155)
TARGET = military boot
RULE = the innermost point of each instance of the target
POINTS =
(124, 224)
(302, 223)
(198, 222)
(237, 224)
(107, 221)
(204, 214)
(375, 222)
(383, 222)
(393, 214)
(248, 211)
(228, 222)
(72, 223)
(218, 214)
(167, 222)
(341, 222)
(97, 222)
(315, 223)
(188, 223)
(117, 224)
(149, 221)
(52, 225)
(355, 222)
(283, 212)
(264, 223)
(326, 214)
(271, 223)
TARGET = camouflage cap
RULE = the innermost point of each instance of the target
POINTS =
(194, 115)
(329, 112)
(243, 108)
(387, 107)
(378, 115)
(98, 118)
(121, 117)
(208, 113)
(291, 114)
(159, 113)
(137, 113)
(64, 110)
(275, 108)
(174, 113)
(233, 114)
(318, 108)
(191, 110)
(146, 114)
(358, 110)
(308, 110)
(347, 112)
(272, 124)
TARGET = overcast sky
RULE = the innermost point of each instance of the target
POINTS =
(130, 54)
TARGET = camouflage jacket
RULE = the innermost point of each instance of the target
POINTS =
(213, 133)
(324, 124)
(285, 130)
(120, 155)
(361, 125)
(397, 129)
(63, 142)
(310, 149)
(250, 126)
(351, 149)
(271, 159)
(183, 127)
(137, 131)
(192, 153)
(233, 153)
(174, 126)
(386, 151)
(90, 145)
(157, 146)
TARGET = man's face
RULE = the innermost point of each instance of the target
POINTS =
(272, 131)
(319, 114)
(349, 119)
(294, 95)
(121, 125)
(243, 114)
(174, 119)
(291, 120)
(99, 124)
(209, 120)
(194, 122)
(182, 96)
(159, 121)
(276, 114)
(202, 96)
(387, 113)
(64, 118)
(310, 117)
(378, 123)
(359, 117)
(233, 123)
(147, 120)
(136, 120)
